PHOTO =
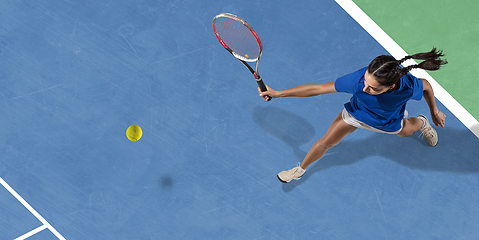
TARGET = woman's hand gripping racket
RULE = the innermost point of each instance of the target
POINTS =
(240, 39)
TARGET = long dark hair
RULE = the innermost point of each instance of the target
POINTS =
(387, 70)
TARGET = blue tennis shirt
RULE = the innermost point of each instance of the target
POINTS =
(384, 111)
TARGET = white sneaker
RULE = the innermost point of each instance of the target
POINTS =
(429, 133)
(292, 174)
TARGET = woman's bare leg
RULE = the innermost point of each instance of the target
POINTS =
(410, 125)
(336, 132)
(413, 124)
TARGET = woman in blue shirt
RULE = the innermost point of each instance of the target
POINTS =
(380, 93)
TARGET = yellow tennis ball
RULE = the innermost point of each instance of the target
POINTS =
(247, 55)
(133, 133)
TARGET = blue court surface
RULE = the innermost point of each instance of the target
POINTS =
(75, 74)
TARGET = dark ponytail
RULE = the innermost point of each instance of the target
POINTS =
(388, 70)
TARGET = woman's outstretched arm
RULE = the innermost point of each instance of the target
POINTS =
(308, 90)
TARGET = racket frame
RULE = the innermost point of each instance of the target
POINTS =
(241, 58)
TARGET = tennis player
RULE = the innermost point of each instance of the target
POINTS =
(378, 103)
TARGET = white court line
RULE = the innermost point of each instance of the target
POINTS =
(396, 51)
(31, 233)
(32, 211)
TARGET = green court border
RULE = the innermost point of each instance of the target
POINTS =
(395, 50)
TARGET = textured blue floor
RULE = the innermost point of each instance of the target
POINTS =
(75, 74)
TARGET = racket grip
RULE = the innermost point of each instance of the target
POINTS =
(262, 87)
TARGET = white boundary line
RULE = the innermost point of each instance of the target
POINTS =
(31, 233)
(396, 51)
(32, 211)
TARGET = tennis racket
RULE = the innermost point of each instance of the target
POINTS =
(241, 40)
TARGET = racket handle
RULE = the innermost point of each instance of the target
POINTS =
(262, 87)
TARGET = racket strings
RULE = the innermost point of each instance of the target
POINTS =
(238, 37)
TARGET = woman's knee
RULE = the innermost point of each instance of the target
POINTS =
(326, 144)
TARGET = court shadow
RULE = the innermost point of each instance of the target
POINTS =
(166, 182)
(456, 152)
(288, 127)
